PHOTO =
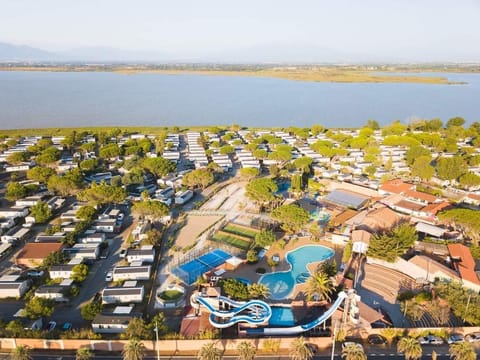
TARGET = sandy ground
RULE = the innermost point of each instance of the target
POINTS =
(194, 226)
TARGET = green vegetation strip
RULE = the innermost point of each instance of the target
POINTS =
(240, 231)
(231, 240)
(170, 295)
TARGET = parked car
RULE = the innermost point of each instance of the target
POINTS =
(51, 325)
(67, 326)
(376, 339)
(455, 338)
(123, 253)
(430, 340)
(109, 276)
(35, 273)
(351, 343)
(473, 337)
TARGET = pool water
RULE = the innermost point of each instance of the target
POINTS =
(281, 316)
(282, 283)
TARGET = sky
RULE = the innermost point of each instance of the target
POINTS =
(427, 30)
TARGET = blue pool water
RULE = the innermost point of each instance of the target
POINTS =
(281, 316)
(245, 281)
(281, 283)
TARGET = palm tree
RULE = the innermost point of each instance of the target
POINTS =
(353, 352)
(133, 350)
(462, 351)
(246, 351)
(21, 352)
(319, 287)
(209, 352)
(300, 350)
(259, 291)
(83, 354)
(410, 347)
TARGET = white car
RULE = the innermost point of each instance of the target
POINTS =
(473, 337)
(351, 343)
(109, 276)
(430, 340)
(455, 339)
(123, 253)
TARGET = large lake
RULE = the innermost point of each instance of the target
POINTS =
(70, 99)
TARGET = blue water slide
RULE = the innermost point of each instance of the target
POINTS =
(298, 329)
(257, 311)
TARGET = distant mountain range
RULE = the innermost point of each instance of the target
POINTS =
(268, 53)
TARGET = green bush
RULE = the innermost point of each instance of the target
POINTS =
(406, 295)
(423, 296)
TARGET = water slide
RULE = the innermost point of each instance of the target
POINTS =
(254, 311)
(294, 330)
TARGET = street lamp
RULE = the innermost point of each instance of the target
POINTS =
(334, 338)
(156, 342)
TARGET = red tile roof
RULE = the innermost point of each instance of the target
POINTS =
(420, 196)
(435, 207)
(464, 262)
(396, 186)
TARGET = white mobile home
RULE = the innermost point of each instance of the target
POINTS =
(131, 273)
(119, 295)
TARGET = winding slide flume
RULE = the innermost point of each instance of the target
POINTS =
(255, 312)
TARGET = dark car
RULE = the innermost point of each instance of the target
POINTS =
(376, 339)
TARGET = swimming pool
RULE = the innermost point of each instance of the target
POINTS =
(281, 283)
(281, 316)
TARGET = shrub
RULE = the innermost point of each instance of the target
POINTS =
(271, 345)
(423, 296)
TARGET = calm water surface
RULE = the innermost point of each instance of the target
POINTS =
(49, 99)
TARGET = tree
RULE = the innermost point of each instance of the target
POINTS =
(209, 352)
(252, 256)
(101, 194)
(133, 350)
(137, 329)
(258, 291)
(226, 150)
(433, 125)
(316, 129)
(83, 354)
(451, 168)
(389, 246)
(415, 152)
(292, 217)
(15, 191)
(246, 351)
(48, 156)
(353, 352)
(373, 124)
(265, 238)
(469, 179)
(319, 287)
(110, 151)
(159, 166)
(54, 258)
(303, 163)
(410, 347)
(300, 349)
(260, 154)
(41, 212)
(234, 288)
(62, 185)
(421, 167)
(90, 310)
(38, 307)
(40, 174)
(21, 352)
(465, 220)
(249, 172)
(200, 177)
(455, 121)
(17, 157)
(462, 351)
(79, 272)
(89, 164)
(261, 191)
(86, 212)
(152, 209)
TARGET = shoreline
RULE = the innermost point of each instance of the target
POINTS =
(312, 74)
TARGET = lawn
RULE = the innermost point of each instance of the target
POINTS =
(240, 231)
(231, 240)
(170, 295)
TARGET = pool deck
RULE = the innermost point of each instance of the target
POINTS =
(247, 271)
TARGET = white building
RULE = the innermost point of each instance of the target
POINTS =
(123, 295)
(131, 273)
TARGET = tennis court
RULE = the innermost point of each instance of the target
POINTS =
(190, 271)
